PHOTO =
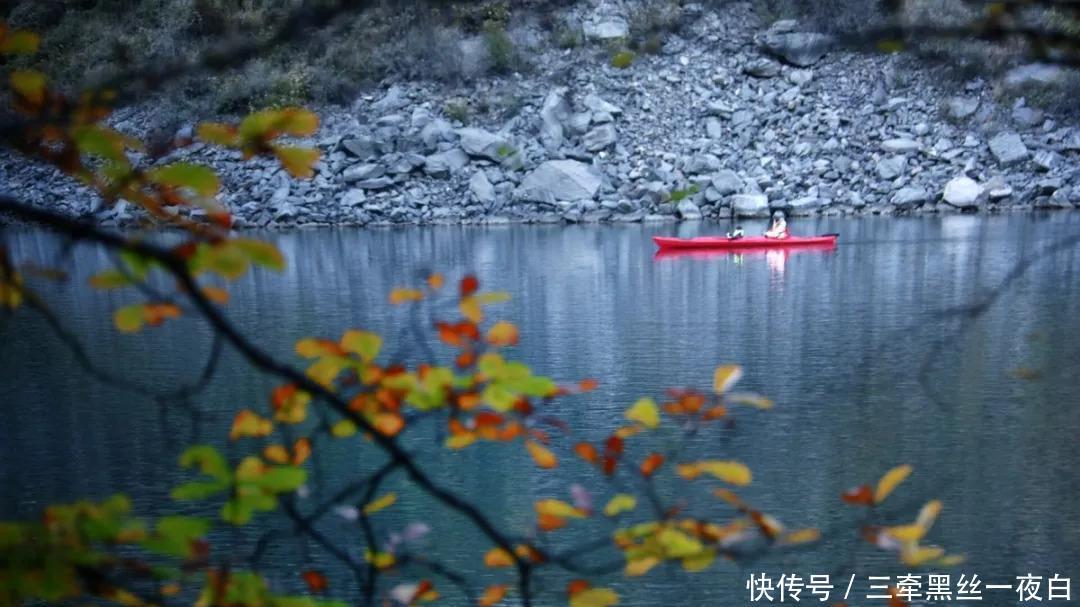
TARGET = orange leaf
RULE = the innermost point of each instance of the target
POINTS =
(586, 452)
(249, 424)
(651, 464)
(541, 455)
(389, 424)
(301, 450)
(402, 295)
(502, 333)
(859, 496)
(497, 557)
(216, 294)
(493, 594)
(465, 359)
(714, 413)
(576, 586)
(550, 522)
(435, 281)
(469, 285)
(316, 581)
(588, 385)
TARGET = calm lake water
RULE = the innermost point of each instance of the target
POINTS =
(836, 338)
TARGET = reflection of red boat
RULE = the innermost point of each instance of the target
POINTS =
(752, 242)
(706, 253)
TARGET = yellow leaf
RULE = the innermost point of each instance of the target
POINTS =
(311, 347)
(594, 597)
(343, 429)
(913, 556)
(381, 560)
(497, 557)
(325, 370)
(129, 319)
(559, 508)
(951, 560)
(644, 412)
(383, 502)
(362, 343)
(470, 309)
(402, 295)
(277, 454)
(199, 178)
(639, 567)
(699, 561)
(725, 377)
(889, 481)
(503, 333)
(622, 502)
(906, 534)
(250, 424)
(677, 544)
(217, 133)
(735, 473)
(541, 455)
(299, 162)
(493, 594)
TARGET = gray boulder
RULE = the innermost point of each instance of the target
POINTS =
(362, 171)
(750, 205)
(607, 27)
(727, 182)
(484, 144)
(909, 197)
(556, 180)
(554, 113)
(601, 137)
(445, 163)
(891, 167)
(1008, 148)
(481, 188)
(959, 108)
(762, 68)
(598, 105)
(801, 49)
(688, 210)
(900, 146)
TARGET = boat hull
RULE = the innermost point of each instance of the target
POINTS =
(753, 242)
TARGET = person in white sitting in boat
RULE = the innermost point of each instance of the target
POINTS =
(735, 234)
(779, 227)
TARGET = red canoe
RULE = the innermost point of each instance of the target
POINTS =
(749, 242)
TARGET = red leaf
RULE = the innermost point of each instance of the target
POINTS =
(469, 285)
(576, 586)
(859, 496)
(316, 581)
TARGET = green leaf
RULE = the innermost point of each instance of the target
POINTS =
(237, 511)
(101, 142)
(197, 490)
(110, 279)
(175, 534)
(280, 479)
(130, 319)
(364, 344)
(200, 179)
(343, 429)
(20, 42)
(498, 397)
(622, 502)
(209, 461)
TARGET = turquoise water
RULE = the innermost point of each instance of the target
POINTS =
(836, 338)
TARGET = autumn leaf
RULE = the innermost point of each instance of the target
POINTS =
(260, 253)
(622, 502)
(29, 85)
(216, 294)
(641, 566)
(588, 385)
(435, 281)
(862, 495)
(364, 344)
(548, 522)
(750, 399)
(732, 472)
(497, 557)
(469, 285)
(890, 481)
(801, 536)
(587, 452)
(248, 424)
(725, 377)
(651, 464)
(315, 580)
(493, 594)
(594, 597)
(541, 455)
(645, 412)
(299, 162)
(502, 333)
(218, 134)
(559, 508)
(379, 504)
(19, 42)
(198, 178)
(402, 295)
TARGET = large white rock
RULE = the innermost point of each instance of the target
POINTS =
(962, 192)
(556, 180)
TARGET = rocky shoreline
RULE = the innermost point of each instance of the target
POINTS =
(733, 118)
